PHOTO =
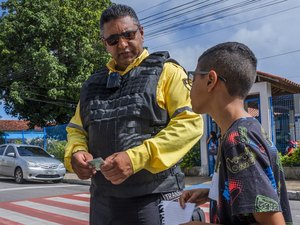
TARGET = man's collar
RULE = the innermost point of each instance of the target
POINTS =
(111, 65)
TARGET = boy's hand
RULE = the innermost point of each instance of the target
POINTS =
(198, 196)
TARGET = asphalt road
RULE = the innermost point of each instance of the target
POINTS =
(10, 191)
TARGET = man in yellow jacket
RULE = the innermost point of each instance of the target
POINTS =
(135, 113)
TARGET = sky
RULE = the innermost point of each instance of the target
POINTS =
(272, 32)
(3, 115)
(186, 28)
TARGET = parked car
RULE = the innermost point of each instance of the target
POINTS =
(29, 162)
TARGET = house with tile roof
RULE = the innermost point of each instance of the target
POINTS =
(275, 102)
(13, 125)
(13, 130)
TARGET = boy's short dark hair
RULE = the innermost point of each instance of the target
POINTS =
(235, 62)
(117, 11)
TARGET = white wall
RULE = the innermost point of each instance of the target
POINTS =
(264, 91)
(203, 148)
(297, 115)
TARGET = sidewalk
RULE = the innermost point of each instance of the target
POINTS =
(293, 186)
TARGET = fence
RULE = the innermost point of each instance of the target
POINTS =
(285, 116)
(285, 119)
(42, 137)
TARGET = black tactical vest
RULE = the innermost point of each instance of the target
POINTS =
(120, 112)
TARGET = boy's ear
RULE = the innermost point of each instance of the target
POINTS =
(211, 79)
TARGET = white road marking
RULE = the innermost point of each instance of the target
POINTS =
(206, 210)
(23, 218)
(69, 201)
(83, 195)
(61, 212)
(37, 187)
(56, 210)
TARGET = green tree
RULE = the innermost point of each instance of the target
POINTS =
(192, 158)
(292, 160)
(48, 48)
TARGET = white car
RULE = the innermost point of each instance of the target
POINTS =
(29, 162)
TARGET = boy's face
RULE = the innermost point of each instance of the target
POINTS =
(199, 94)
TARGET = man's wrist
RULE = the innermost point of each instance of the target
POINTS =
(78, 150)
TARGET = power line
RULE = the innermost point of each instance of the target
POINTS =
(57, 101)
(227, 27)
(280, 54)
(164, 18)
(171, 16)
(62, 104)
(189, 23)
(177, 8)
(69, 101)
(151, 7)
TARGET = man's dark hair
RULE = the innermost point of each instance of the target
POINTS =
(233, 61)
(117, 11)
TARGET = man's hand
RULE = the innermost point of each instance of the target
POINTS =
(80, 165)
(198, 196)
(117, 167)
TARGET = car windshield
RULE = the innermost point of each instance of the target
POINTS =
(31, 151)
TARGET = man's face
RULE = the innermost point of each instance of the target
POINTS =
(125, 51)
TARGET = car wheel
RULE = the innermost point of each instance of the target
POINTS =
(57, 181)
(19, 176)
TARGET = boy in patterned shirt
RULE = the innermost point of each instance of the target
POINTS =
(248, 185)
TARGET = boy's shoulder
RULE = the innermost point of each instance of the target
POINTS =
(243, 125)
(244, 130)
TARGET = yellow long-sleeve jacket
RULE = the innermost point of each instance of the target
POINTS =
(166, 148)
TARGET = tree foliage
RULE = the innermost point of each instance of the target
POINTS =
(292, 160)
(48, 48)
(192, 158)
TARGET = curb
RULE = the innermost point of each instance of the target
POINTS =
(76, 181)
(294, 195)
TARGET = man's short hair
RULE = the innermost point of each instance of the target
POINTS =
(235, 62)
(117, 11)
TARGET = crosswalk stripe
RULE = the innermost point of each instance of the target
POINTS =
(52, 217)
(77, 198)
(55, 210)
(69, 201)
(20, 218)
(62, 205)
(83, 195)
(4, 221)
(70, 209)
(205, 208)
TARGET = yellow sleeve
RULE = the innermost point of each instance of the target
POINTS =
(183, 131)
(77, 138)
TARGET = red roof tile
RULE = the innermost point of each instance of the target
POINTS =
(13, 125)
(279, 85)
